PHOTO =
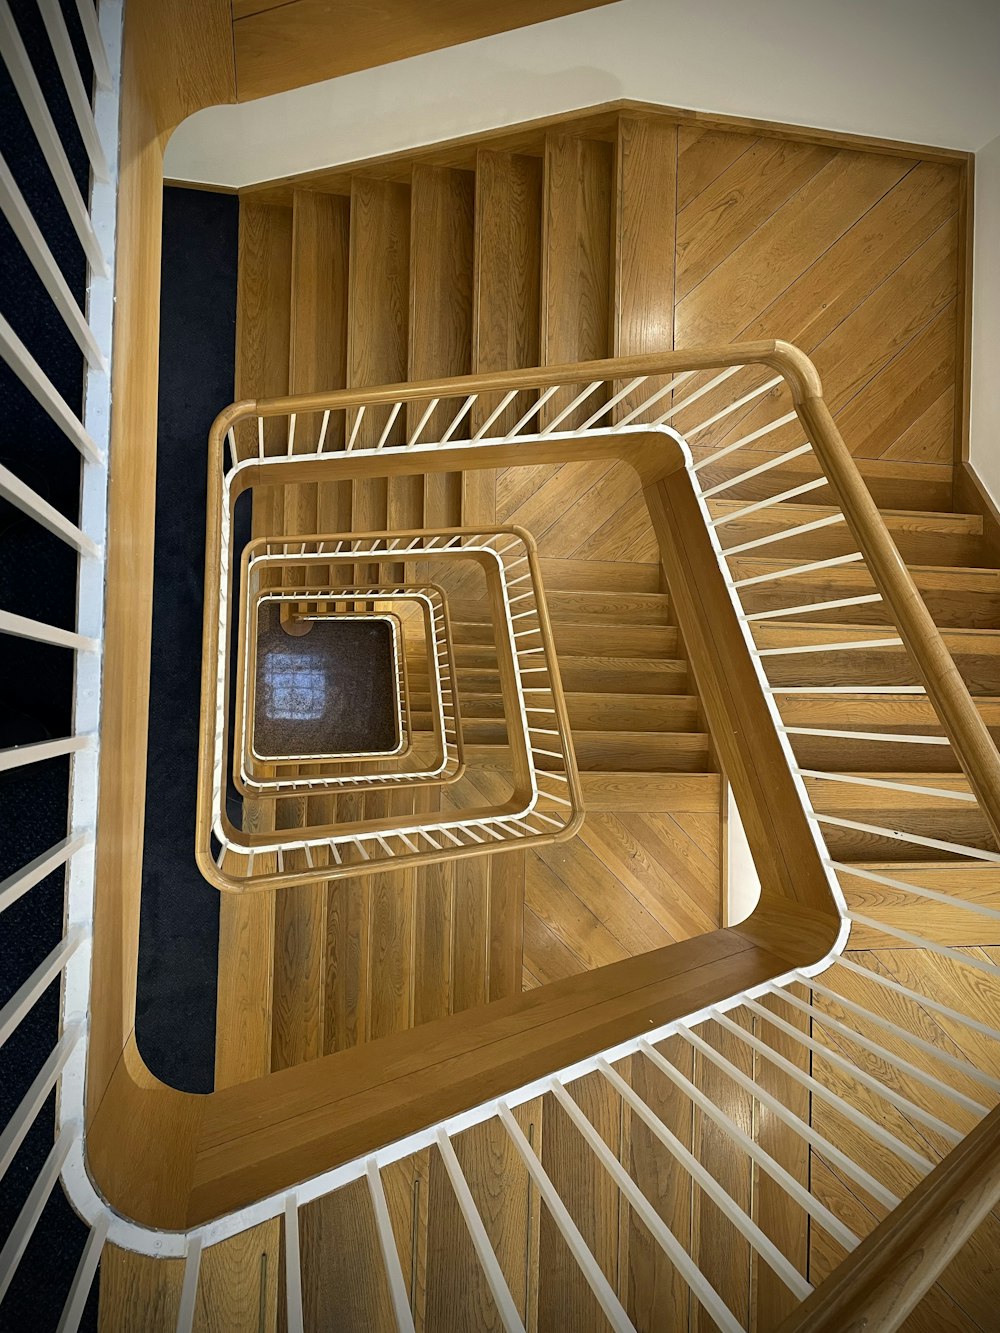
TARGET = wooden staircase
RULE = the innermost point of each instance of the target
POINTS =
(555, 251)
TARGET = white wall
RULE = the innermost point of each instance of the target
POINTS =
(923, 70)
(984, 453)
(927, 71)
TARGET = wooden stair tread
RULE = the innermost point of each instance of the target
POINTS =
(615, 791)
(599, 575)
(573, 606)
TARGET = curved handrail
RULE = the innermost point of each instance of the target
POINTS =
(946, 689)
(204, 1127)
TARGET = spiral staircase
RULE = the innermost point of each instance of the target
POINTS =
(493, 1048)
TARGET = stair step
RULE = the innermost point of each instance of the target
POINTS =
(640, 751)
(967, 598)
(574, 605)
(976, 654)
(599, 575)
(893, 484)
(859, 711)
(613, 712)
(656, 641)
(923, 537)
(900, 810)
(947, 924)
(650, 792)
(594, 675)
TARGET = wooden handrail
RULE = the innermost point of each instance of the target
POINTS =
(947, 691)
(881, 1282)
(942, 680)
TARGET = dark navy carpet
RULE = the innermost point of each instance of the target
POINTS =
(179, 924)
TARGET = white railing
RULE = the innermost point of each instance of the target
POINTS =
(545, 805)
(919, 1084)
(86, 427)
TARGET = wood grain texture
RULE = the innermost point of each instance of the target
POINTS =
(657, 1296)
(286, 45)
(441, 295)
(645, 246)
(591, 1198)
(377, 326)
(578, 190)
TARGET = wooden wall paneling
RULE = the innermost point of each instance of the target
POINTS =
(506, 909)
(644, 247)
(592, 1199)
(408, 1198)
(470, 957)
(507, 1201)
(778, 1216)
(344, 1283)
(377, 327)
(434, 932)
(138, 1293)
(348, 945)
(458, 1295)
(657, 1297)
(238, 1283)
(282, 46)
(299, 1007)
(320, 257)
(440, 333)
(719, 1250)
(390, 952)
(578, 190)
(506, 294)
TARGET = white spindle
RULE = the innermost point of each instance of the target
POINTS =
(390, 1254)
(781, 498)
(293, 1267)
(189, 1289)
(24, 498)
(568, 1229)
(15, 57)
(27, 1219)
(34, 1099)
(44, 974)
(691, 431)
(784, 534)
(83, 1278)
(26, 229)
(41, 388)
(95, 42)
(20, 627)
(757, 471)
(495, 1280)
(796, 570)
(79, 100)
(807, 608)
(17, 884)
